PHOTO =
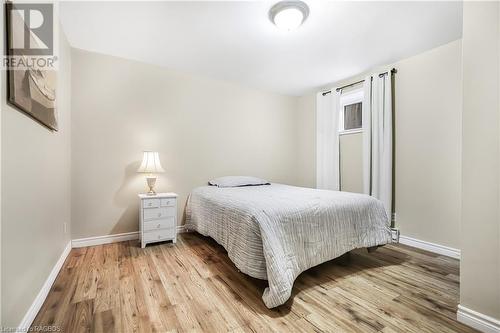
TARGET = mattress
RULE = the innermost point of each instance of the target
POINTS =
(277, 231)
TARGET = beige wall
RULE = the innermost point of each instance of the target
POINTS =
(480, 237)
(202, 129)
(306, 122)
(428, 106)
(2, 106)
(36, 196)
(351, 162)
(428, 130)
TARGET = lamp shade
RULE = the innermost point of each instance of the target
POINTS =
(150, 163)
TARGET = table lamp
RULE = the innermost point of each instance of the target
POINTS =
(151, 165)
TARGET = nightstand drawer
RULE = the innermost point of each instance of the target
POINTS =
(158, 213)
(158, 218)
(158, 235)
(169, 222)
(167, 202)
(150, 203)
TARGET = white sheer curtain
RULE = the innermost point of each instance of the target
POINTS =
(377, 139)
(367, 134)
(327, 141)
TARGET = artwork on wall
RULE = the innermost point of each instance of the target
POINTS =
(31, 86)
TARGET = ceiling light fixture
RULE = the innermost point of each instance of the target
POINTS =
(288, 15)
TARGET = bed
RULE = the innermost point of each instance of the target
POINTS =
(276, 231)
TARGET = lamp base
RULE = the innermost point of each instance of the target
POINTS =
(151, 180)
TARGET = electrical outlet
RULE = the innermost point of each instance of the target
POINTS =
(395, 235)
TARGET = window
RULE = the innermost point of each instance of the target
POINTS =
(352, 116)
(351, 112)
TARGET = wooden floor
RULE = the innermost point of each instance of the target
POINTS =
(192, 286)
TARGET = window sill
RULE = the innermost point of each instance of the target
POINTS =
(353, 131)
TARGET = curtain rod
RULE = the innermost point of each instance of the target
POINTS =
(392, 71)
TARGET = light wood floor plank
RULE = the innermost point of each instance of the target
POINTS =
(192, 286)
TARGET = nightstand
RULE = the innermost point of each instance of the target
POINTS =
(158, 218)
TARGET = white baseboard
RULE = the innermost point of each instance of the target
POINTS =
(431, 247)
(478, 320)
(181, 229)
(99, 240)
(44, 291)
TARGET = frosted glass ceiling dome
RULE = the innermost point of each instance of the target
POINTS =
(289, 15)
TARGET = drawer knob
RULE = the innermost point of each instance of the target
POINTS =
(159, 225)
(150, 204)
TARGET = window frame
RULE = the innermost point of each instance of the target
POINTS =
(348, 98)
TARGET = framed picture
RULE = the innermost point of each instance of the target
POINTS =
(31, 87)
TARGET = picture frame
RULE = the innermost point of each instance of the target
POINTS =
(31, 87)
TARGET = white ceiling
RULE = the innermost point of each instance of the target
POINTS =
(235, 41)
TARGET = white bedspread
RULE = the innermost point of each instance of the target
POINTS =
(276, 231)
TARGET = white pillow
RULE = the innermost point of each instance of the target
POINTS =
(236, 181)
